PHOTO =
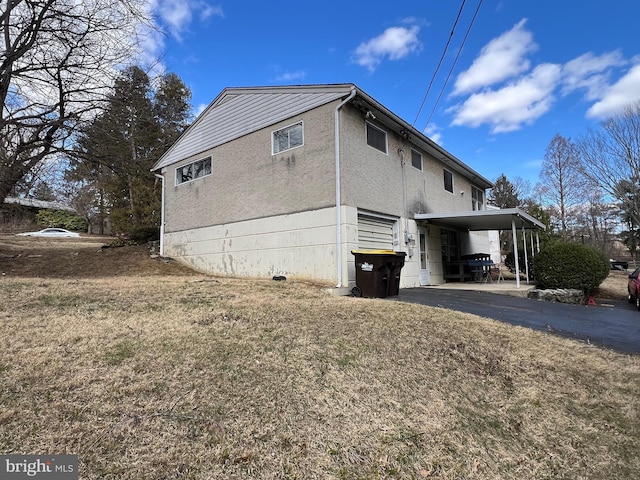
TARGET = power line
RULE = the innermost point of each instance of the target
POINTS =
(453, 29)
(453, 65)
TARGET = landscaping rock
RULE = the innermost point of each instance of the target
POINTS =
(561, 295)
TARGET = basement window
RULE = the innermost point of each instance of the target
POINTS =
(287, 138)
(194, 170)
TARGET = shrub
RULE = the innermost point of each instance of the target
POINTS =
(570, 265)
(61, 219)
(143, 235)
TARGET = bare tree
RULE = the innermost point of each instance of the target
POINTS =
(561, 184)
(596, 221)
(57, 60)
(610, 158)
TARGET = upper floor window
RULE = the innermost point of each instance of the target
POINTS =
(194, 170)
(416, 159)
(448, 181)
(376, 138)
(287, 138)
(477, 198)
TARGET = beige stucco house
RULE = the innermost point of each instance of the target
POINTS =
(289, 180)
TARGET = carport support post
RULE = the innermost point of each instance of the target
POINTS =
(515, 251)
(526, 256)
(533, 250)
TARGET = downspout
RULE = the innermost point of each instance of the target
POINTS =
(338, 193)
(404, 198)
(161, 177)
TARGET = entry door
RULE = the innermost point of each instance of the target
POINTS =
(423, 271)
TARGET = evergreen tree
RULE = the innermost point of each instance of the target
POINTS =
(504, 194)
(116, 151)
(171, 107)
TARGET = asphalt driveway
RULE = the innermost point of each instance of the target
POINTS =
(613, 324)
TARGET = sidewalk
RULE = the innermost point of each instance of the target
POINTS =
(504, 287)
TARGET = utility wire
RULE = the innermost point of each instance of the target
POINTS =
(453, 65)
(453, 29)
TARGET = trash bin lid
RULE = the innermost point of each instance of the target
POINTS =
(373, 252)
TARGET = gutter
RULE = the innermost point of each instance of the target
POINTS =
(457, 163)
(338, 187)
(161, 177)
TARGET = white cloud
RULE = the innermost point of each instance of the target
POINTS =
(394, 43)
(433, 132)
(590, 72)
(502, 92)
(508, 108)
(151, 41)
(177, 15)
(200, 108)
(618, 96)
(208, 11)
(502, 58)
(291, 76)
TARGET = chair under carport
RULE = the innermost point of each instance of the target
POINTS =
(498, 219)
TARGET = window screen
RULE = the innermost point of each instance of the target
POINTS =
(376, 138)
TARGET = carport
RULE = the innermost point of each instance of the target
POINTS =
(498, 219)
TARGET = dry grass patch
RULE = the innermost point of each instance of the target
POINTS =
(196, 377)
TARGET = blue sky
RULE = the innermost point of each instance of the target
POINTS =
(528, 69)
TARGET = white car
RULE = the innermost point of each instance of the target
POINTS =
(50, 232)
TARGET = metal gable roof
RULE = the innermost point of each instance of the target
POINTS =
(240, 111)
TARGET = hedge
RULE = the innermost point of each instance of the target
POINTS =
(61, 219)
(570, 265)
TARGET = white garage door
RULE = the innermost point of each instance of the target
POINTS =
(375, 233)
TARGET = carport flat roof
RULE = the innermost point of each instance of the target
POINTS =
(479, 220)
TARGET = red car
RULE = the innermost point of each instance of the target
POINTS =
(633, 288)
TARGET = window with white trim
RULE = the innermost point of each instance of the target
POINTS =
(287, 138)
(477, 198)
(416, 159)
(448, 181)
(376, 138)
(187, 173)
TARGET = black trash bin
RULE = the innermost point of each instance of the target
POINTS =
(373, 272)
(397, 262)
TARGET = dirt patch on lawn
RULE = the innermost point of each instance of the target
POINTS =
(84, 257)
